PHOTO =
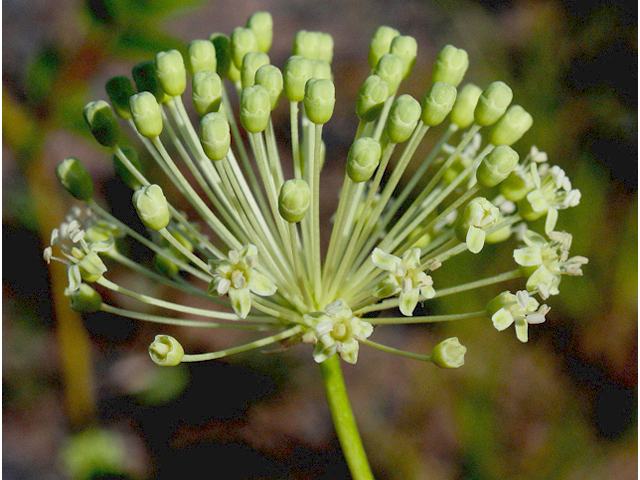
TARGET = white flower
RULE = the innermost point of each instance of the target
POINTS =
(544, 262)
(405, 277)
(521, 309)
(238, 277)
(336, 330)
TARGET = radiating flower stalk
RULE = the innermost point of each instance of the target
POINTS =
(264, 270)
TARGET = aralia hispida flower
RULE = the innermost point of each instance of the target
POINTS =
(263, 268)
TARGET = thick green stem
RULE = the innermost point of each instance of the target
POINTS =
(344, 420)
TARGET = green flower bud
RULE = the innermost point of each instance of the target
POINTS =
(297, 71)
(381, 44)
(466, 101)
(319, 100)
(243, 41)
(313, 45)
(146, 80)
(119, 90)
(250, 65)
(497, 165)
(255, 108)
(234, 74)
(152, 207)
(165, 351)
(123, 172)
(321, 69)
(171, 72)
(403, 117)
(492, 103)
(450, 66)
(478, 216)
(363, 159)
(270, 77)
(91, 267)
(515, 187)
(501, 234)
(165, 266)
(262, 25)
(215, 135)
(147, 114)
(84, 299)
(437, 103)
(75, 179)
(222, 45)
(371, 98)
(102, 122)
(206, 92)
(511, 126)
(390, 68)
(448, 354)
(406, 48)
(293, 201)
(202, 56)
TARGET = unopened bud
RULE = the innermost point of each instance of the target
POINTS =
(255, 108)
(215, 135)
(381, 44)
(465, 105)
(363, 159)
(437, 103)
(511, 126)
(294, 199)
(171, 72)
(313, 45)
(147, 114)
(152, 207)
(406, 48)
(222, 44)
(497, 165)
(450, 66)
(403, 117)
(319, 100)
(75, 178)
(146, 80)
(371, 98)
(202, 56)
(250, 65)
(206, 92)
(492, 103)
(270, 77)
(243, 41)
(391, 69)
(84, 299)
(297, 71)
(262, 25)
(119, 90)
(102, 122)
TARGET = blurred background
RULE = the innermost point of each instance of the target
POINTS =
(82, 400)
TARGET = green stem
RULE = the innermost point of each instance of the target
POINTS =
(344, 420)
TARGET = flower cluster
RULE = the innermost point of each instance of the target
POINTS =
(265, 268)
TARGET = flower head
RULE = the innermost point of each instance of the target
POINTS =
(254, 236)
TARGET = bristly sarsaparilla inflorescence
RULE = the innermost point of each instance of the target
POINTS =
(264, 271)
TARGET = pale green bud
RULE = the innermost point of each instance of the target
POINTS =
(501, 234)
(406, 48)
(492, 103)
(243, 41)
(270, 77)
(403, 117)
(84, 299)
(450, 66)
(313, 45)
(152, 207)
(448, 354)
(102, 122)
(202, 56)
(255, 108)
(146, 80)
(250, 65)
(381, 44)
(321, 69)
(437, 103)
(75, 178)
(215, 135)
(171, 72)
(497, 165)
(91, 267)
(363, 159)
(516, 186)
(466, 101)
(123, 172)
(391, 69)
(147, 114)
(206, 92)
(511, 126)
(294, 199)
(297, 71)
(119, 90)
(262, 25)
(222, 44)
(166, 351)
(234, 74)
(319, 100)
(371, 98)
